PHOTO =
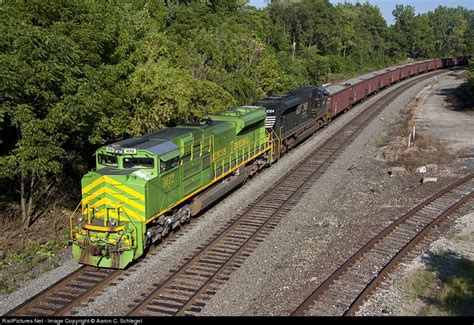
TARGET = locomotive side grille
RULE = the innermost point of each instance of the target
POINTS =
(270, 121)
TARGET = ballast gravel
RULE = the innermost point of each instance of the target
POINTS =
(348, 205)
(308, 243)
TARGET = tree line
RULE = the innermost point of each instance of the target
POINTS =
(77, 74)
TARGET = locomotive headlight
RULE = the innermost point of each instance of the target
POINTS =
(81, 219)
(112, 223)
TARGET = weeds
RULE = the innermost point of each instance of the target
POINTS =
(446, 287)
(418, 284)
(381, 140)
(456, 295)
(423, 150)
(20, 266)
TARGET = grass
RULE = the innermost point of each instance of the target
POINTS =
(456, 295)
(446, 286)
(22, 265)
(381, 140)
(419, 284)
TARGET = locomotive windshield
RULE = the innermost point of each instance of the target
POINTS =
(108, 160)
(138, 163)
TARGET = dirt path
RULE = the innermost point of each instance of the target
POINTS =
(438, 118)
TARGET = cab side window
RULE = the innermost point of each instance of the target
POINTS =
(168, 164)
(138, 163)
(108, 160)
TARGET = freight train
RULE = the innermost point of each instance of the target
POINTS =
(142, 188)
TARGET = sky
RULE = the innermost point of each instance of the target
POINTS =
(387, 6)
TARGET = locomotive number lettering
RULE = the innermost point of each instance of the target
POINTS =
(168, 180)
(237, 145)
(219, 154)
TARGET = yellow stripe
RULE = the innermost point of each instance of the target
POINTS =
(92, 185)
(124, 188)
(113, 182)
(115, 205)
(99, 228)
(93, 196)
(126, 200)
(116, 195)
(209, 184)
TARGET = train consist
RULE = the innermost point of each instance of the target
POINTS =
(144, 187)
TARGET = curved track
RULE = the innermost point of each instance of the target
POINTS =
(345, 290)
(80, 286)
(187, 289)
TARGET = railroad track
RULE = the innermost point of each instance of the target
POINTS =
(64, 296)
(345, 289)
(186, 290)
(66, 293)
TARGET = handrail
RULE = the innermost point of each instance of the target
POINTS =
(134, 246)
(118, 207)
(71, 216)
(234, 150)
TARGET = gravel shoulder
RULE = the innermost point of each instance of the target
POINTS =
(438, 118)
(416, 287)
(353, 201)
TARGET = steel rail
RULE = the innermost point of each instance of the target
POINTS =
(185, 291)
(318, 294)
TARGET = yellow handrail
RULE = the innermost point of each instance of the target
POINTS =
(72, 215)
(133, 224)
(240, 148)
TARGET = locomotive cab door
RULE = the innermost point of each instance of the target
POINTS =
(169, 172)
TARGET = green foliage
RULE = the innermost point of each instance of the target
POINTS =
(75, 75)
(470, 80)
(447, 286)
(442, 32)
(456, 295)
(165, 95)
(17, 266)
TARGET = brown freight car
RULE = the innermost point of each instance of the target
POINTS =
(338, 100)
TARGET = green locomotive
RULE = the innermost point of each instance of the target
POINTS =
(144, 187)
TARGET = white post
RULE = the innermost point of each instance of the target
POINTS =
(409, 140)
(294, 49)
(414, 131)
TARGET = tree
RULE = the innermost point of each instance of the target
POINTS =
(64, 68)
(75, 75)
(449, 26)
(470, 80)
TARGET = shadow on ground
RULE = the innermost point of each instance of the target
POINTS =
(458, 98)
(455, 294)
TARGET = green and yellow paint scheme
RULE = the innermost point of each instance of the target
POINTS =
(140, 184)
